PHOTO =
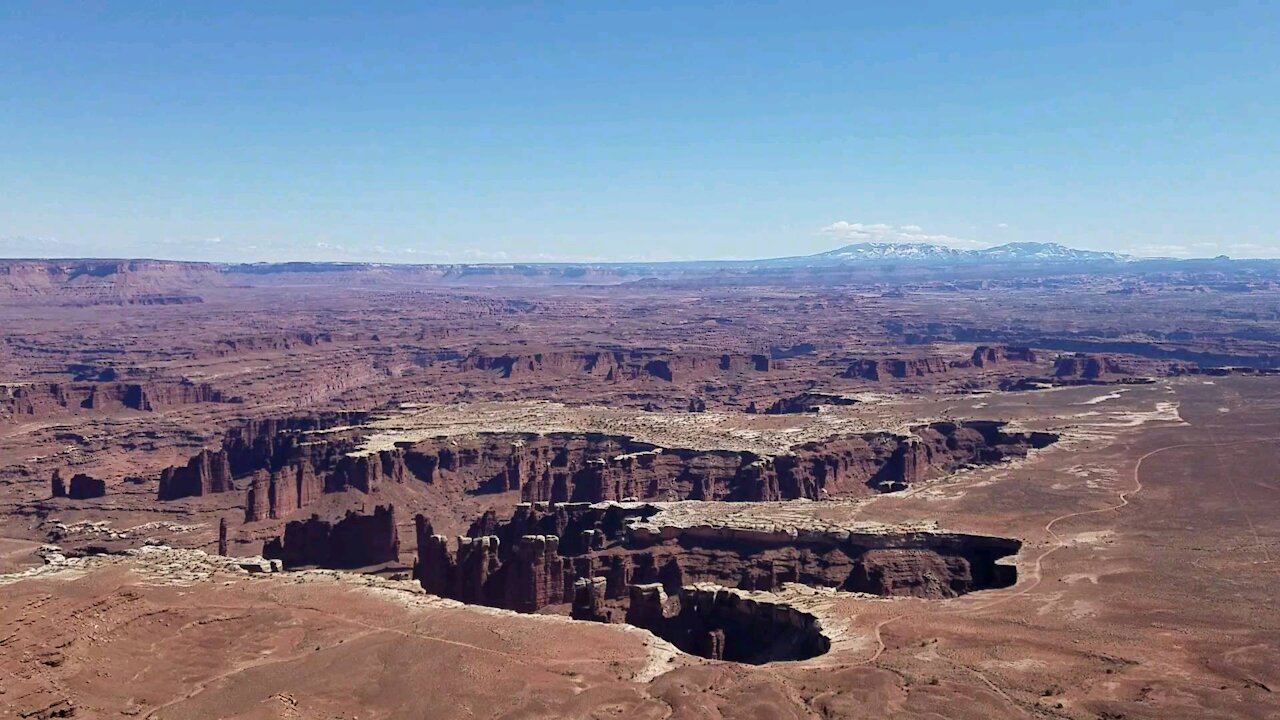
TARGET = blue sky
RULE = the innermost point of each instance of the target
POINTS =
(599, 130)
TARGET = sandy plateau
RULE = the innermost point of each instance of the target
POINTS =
(724, 496)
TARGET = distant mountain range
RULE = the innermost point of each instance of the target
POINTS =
(1017, 252)
(81, 281)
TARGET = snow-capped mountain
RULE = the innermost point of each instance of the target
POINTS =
(892, 251)
(924, 252)
(1046, 251)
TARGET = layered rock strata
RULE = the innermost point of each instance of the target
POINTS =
(896, 368)
(723, 624)
(354, 541)
(287, 467)
(520, 565)
(616, 365)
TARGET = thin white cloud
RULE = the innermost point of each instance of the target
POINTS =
(851, 232)
(1205, 249)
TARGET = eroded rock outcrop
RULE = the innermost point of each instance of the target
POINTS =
(896, 368)
(989, 355)
(208, 472)
(615, 365)
(354, 541)
(38, 400)
(802, 403)
(84, 487)
(565, 467)
(610, 542)
(1087, 367)
(287, 467)
(724, 624)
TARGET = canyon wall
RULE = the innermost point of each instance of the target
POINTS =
(286, 467)
(354, 541)
(34, 401)
(721, 624)
(896, 368)
(518, 566)
(1088, 367)
(616, 365)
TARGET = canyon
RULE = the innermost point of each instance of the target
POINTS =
(821, 491)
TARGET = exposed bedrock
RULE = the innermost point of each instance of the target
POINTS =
(84, 487)
(984, 356)
(1087, 367)
(284, 466)
(896, 368)
(802, 403)
(616, 365)
(39, 400)
(231, 347)
(523, 564)
(988, 355)
(208, 472)
(587, 467)
(354, 541)
(722, 624)
(291, 463)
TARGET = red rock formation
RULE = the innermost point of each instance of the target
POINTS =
(258, 502)
(84, 487)
(589, 600)
(988, 355)
(802, 403)
(1087, 367)
(37, 400)
(354, 541)
(615, 366)
(91, 282)
(230, 347)
(208, 472)
(222, 536)
(721, 624)
(898, 368)
(910, 572)
(534, 574)
(59, 487)
(290, 469)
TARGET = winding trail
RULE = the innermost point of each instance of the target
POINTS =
(1036, 571)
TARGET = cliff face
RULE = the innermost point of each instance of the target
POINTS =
(1087, 367)
(616, 366)
(84, 487)
(565, 467)
(599, 542)
(988, 355)
(285, 469)
(802, 403)
(896, 368)
(354, 541)
(39, 400)
(721, 624)
(91, 282)
(208, 472)
(232, 347)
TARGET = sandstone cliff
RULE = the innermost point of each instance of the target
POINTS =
(896, 368)
(354, 541)
(602, 541)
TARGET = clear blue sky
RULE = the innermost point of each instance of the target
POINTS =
(603, 130)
